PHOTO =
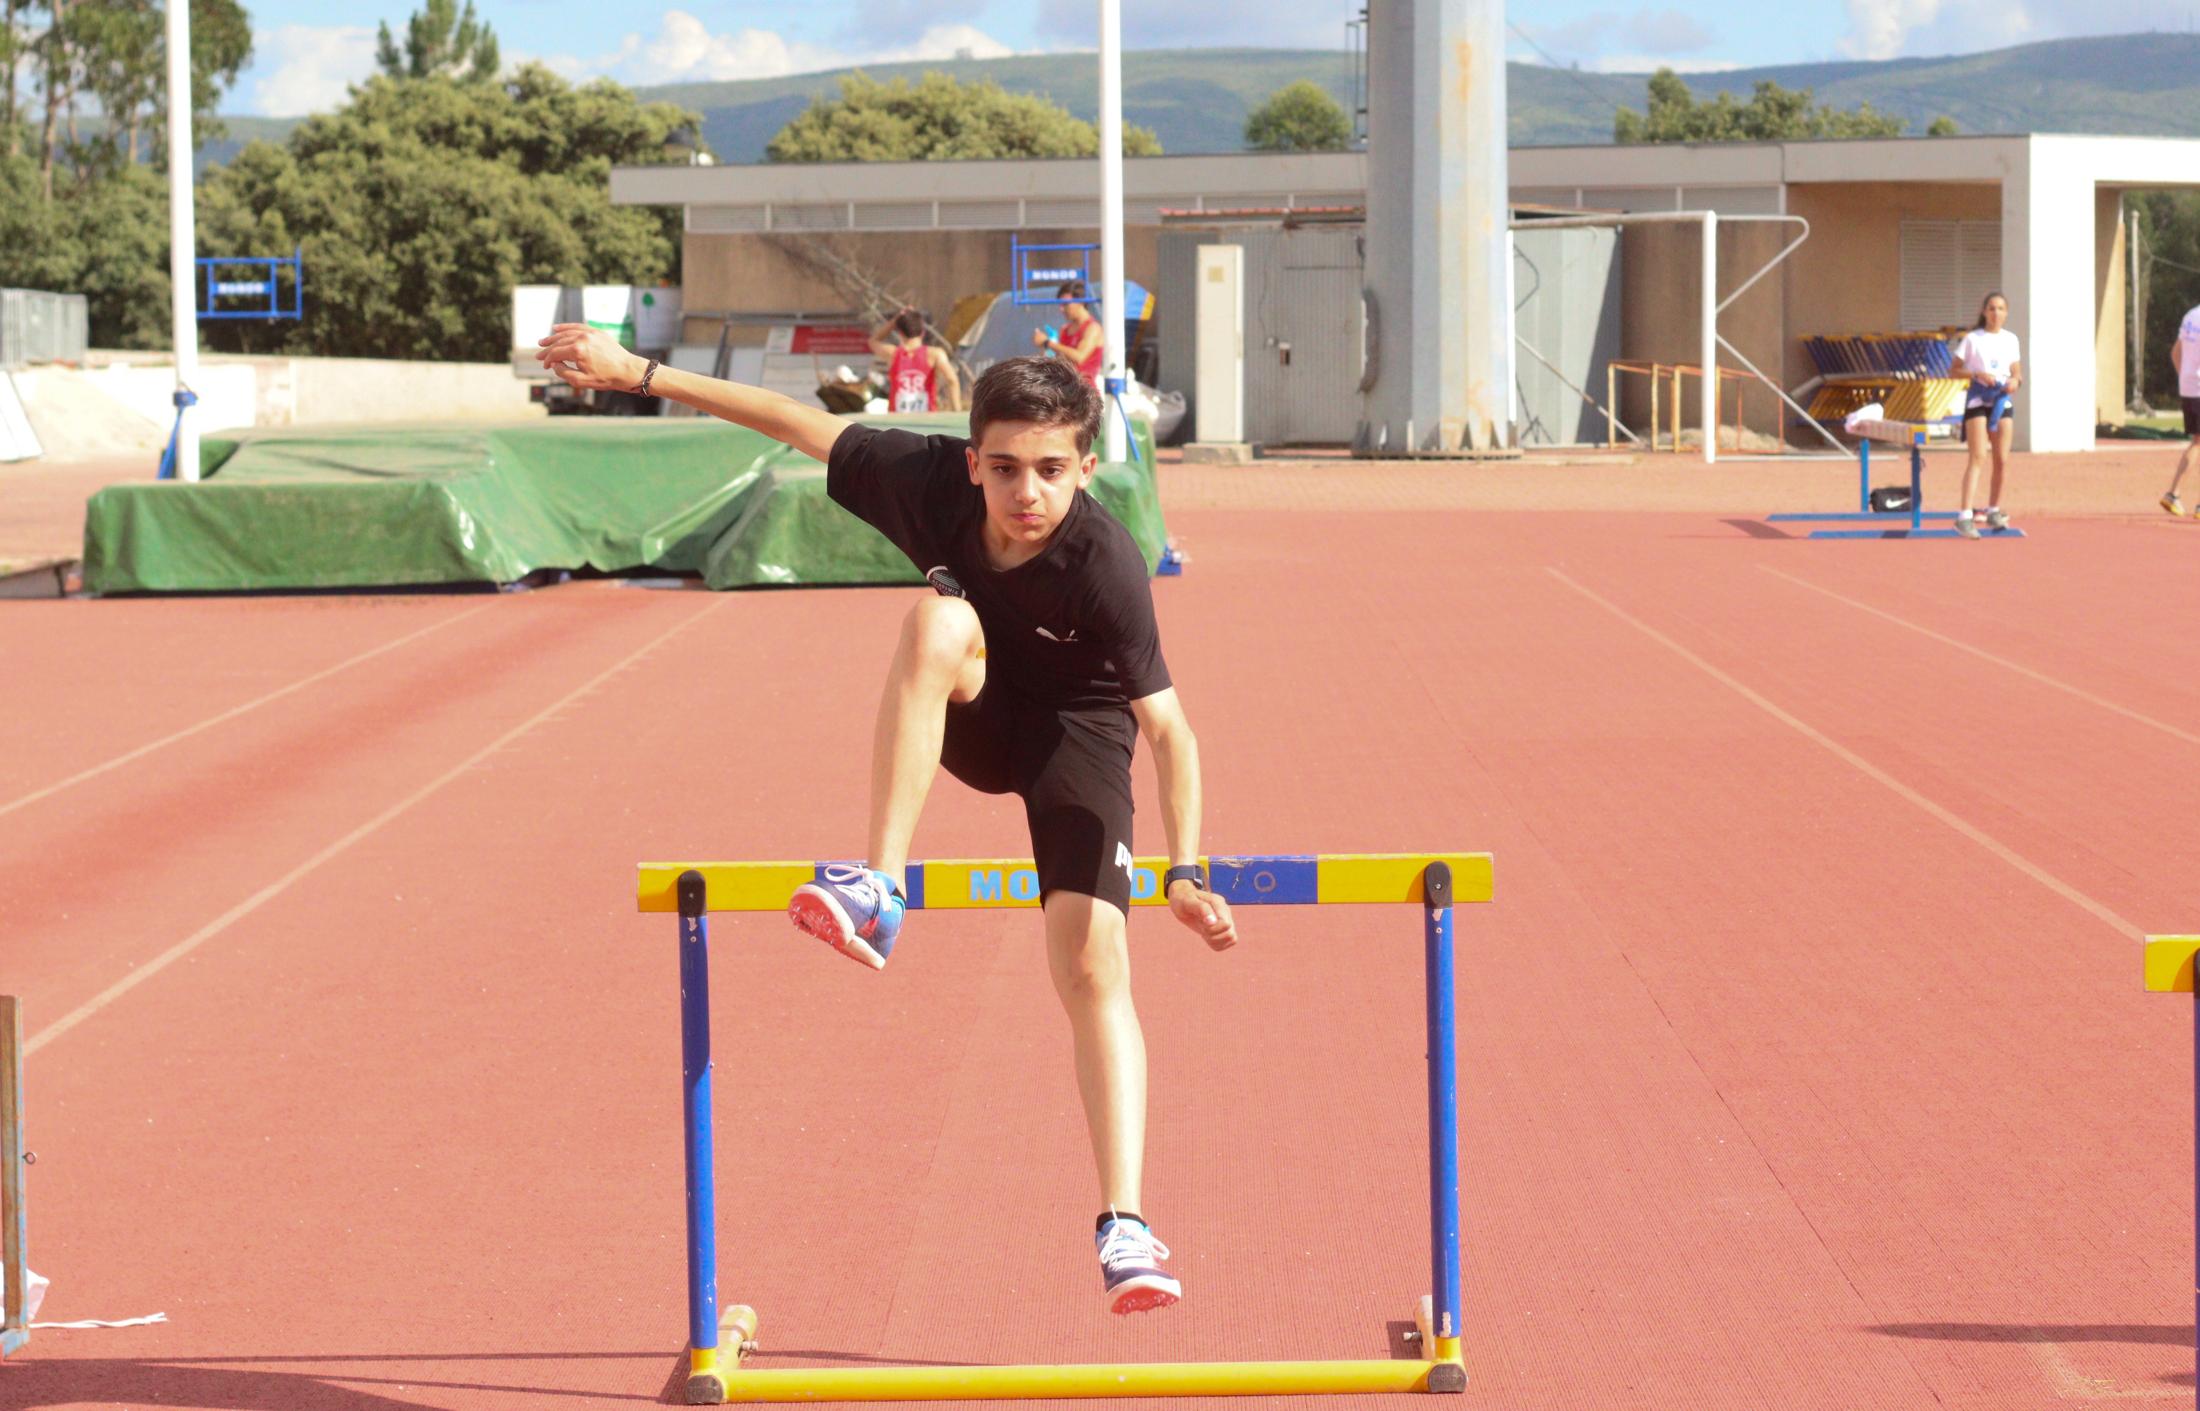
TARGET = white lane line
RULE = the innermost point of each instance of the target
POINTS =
(232, 713)
(1864, 766)
(2020, 668)
(275, 888)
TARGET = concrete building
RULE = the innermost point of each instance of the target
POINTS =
(1903, 233)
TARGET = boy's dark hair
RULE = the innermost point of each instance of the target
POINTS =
(1073, 291)
(909, 323)
(1045, 391)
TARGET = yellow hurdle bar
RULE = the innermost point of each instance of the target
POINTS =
(2169, 963)
(1088, 1380)
(975, 883)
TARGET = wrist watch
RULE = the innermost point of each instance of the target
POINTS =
(1187, 872)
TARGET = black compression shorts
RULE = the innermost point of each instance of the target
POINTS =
(1073, 771)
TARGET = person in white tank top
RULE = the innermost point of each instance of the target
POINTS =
(1990, 357)
(2184, 355)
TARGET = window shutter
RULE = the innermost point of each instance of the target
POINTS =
(1948, 266)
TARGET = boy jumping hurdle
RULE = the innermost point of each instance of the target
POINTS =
(1030, 667)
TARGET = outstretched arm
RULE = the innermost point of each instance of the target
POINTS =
(1176, 761)
(590, 358)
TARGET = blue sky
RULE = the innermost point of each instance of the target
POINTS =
(302, 61)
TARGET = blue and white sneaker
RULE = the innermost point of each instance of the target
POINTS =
(854, 910)
(1130, 1268)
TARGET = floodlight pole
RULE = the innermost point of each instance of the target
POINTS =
(1111, 222)
(183, 293)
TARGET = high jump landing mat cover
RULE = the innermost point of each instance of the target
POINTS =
(406, 506)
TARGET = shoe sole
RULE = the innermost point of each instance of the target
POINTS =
(2171, 509)
(815, 912)
(1143, 1295)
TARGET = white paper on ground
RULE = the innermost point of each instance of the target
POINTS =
(35, 1285)
(83, 1323)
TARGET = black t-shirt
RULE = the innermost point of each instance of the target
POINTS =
(1072, 628)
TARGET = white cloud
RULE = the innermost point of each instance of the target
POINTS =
(309, 67)
(1664, 32)
(1877, 28)
(686, 50)
(1885, 29)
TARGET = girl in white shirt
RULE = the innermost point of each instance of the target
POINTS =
(1990, 357)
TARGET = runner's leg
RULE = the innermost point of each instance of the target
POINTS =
(1088, 953)
(940, 658)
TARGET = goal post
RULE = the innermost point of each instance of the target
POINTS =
(1710, 341)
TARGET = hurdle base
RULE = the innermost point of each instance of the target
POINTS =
(12, 1341)
(712, 1382)
(1893, 532)
(1856, 516)
(706, 1382)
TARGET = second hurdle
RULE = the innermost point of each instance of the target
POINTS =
(1907, 434)
(1434, 882)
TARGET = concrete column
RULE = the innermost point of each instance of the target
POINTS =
(2047, 254)
(2111, 307)
(1439, 330)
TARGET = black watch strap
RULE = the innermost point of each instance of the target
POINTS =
(1189, 872)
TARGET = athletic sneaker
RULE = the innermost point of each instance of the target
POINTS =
(1996, 519)
(1966, 525)
(2173, 505)
(1130, 1266)
(854, 910)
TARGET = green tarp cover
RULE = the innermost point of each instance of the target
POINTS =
(397, 506)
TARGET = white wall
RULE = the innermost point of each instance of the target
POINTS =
(273, 391)
(2048, 266)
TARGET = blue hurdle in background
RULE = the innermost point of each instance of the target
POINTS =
(1435, 882)
(1893, 433)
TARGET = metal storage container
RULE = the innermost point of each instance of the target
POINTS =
(38, 327)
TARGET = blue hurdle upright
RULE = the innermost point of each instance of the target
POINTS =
(718, 1344)
(1894, 433)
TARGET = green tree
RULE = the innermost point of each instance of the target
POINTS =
(422, 202)
(111, 54)
(78, 212)
(441, 41)
(2169, 283)
(106, 240)
(124, 49)
(1772, 114)
(1299, 117)
(1942, 126)
(939, 119)
(14, 47)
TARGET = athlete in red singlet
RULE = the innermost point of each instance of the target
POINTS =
(919, 376)
(1081, 339)
(909, 380)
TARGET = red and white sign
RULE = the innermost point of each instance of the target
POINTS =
(825, 340)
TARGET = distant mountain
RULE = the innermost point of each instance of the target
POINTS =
(1197, 100)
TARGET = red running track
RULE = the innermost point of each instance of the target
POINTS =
(1804, 1059)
